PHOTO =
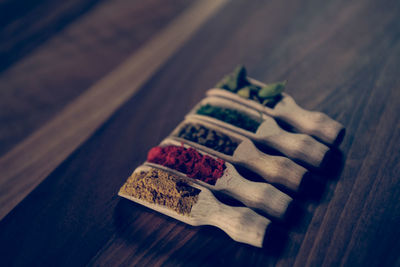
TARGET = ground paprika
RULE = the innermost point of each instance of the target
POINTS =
(188, 161)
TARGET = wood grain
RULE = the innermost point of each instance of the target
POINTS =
(23, 168)
(340, 57)
(25, 25)
(41, 83)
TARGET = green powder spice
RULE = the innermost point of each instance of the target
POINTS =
(162, 188)
(209, 138)
(238, 83)
(230, 116)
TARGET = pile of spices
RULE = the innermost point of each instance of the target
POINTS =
(230, 116)
(237, 82)
(162, 188)
(209, 138)
(188, 161)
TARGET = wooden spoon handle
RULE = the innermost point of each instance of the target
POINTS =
(285, 171)
(274, 169)
(300, 147)
(313, 123)
(261, 196)
(240, 223)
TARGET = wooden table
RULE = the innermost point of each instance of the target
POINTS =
(87, 87)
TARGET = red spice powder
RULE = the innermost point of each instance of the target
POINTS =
(188, 161)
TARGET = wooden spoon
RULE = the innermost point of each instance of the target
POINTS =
(274, 169)
(297, 146)
(262, 196)
(240, 223)
(313, 123)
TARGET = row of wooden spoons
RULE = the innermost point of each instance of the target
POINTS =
(242, 223)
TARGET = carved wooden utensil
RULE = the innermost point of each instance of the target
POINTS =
(240, 223)
(262, 196)
(274, 169)
(313, 123)
(296, 146)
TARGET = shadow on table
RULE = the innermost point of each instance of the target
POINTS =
(156, 238)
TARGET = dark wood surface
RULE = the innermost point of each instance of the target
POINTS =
(340, 57)
(40, 153)
(50, 62)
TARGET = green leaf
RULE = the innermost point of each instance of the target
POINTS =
(240, 75)
(244, 92)
(254, 88)
(228, 83)
(271, 90)
(234, 81)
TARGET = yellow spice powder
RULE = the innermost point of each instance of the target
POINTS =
(162, 188)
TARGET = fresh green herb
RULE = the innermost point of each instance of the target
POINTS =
(237, 82)
(244, 92)
(272, 90)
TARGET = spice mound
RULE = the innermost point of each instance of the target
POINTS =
(230, 116)
(209, 138)
(188, 161)
(162, 188)
(238, 83)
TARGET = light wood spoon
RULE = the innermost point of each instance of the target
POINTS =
(296, 146)
(240, 223)
(262, 196)
(274, 169)
(313, 123)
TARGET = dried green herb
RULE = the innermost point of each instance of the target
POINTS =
(230, 116)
